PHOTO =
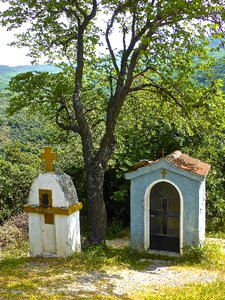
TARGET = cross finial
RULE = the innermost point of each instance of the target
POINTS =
(48, 156)
(164, 173)
(163, 152)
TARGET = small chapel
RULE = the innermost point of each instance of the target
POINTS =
(53, 213)
(167, 199)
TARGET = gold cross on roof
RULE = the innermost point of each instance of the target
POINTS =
(48, 156)
(164, 173)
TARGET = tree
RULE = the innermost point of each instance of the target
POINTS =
(17, 171)
(154, 48)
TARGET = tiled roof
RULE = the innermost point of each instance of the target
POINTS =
(185, 162)
(181, 161)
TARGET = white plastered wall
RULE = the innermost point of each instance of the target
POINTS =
(63, 237)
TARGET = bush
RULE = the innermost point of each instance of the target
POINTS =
(14, 230)
(17, 171)
(208, 255)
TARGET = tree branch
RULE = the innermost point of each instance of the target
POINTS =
(133, 25)
(84, 128)
(109, 27)
(159, 88)
(67, 127)
(92, 14)
(124, 39)
(81, 11)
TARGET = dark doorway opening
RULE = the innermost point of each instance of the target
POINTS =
(164, 217)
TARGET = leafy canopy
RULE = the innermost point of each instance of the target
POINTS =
(115, 49)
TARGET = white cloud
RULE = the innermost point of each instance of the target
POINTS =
(10, 55)
(13, 56)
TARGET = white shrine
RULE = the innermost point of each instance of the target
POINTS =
(53, 210)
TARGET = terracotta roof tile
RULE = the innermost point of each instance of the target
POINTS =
(141, 163)
(181, 161)
(185, 162)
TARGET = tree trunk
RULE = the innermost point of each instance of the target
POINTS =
(96, 207)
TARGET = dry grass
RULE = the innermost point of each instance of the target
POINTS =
(14, 230)
(89, 274)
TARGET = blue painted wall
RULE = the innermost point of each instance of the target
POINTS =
(191, 188)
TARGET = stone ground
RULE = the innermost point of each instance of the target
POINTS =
(124, 282)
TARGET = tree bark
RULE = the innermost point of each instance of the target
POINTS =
(96, 207)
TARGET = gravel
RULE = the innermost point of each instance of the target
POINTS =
(126, 281)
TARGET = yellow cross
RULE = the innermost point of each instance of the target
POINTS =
(48, 156)
(164, 173)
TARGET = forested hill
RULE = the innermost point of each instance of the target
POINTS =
(7, 72)
(215, 44)
(23, 136)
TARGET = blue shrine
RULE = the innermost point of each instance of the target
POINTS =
(168, 203)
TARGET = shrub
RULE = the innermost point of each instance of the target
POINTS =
(208, 255)
(17, 171)
(14, 230)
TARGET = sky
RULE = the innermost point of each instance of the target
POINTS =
(9, 55)
(13, 56)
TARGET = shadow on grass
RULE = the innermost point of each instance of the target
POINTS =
(92, 258)
(98, 257)
(12, 263)
(51, 278)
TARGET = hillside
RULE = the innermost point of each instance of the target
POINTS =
(6, 72)
(26, 129)
(217, 51)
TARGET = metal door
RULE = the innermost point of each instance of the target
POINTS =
(164, 217)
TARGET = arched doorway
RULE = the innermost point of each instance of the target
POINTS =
(164, 217)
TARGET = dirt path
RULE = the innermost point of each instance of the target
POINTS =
(126, 281)
(119, 282)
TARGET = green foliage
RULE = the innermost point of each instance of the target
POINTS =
(115, 229)
(147, 126)
(6, 72)
(145, 84)
(51, 96)
(144, 129)
(210, 148)
(209, 255)
(17, 171)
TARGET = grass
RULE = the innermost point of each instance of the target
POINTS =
(209, 256)
(22, 277)
(217, 234)
(200, 291)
